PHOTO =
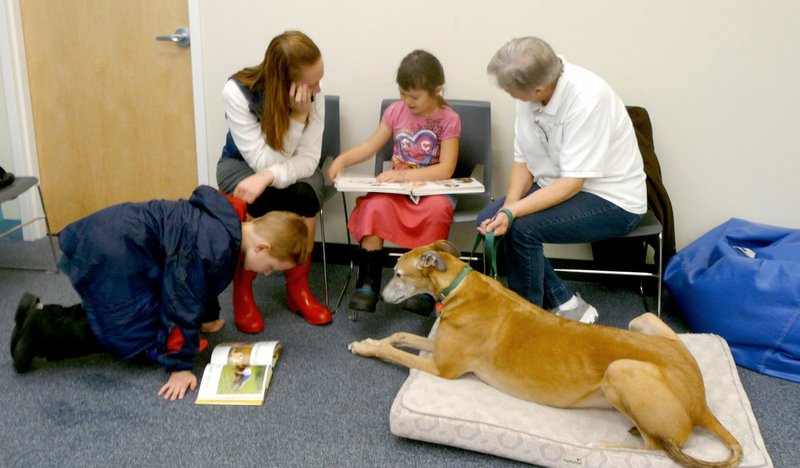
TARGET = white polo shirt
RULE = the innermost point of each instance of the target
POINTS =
(585, 132)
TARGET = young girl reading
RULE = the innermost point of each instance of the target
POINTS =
(148, 275)
(425, 132)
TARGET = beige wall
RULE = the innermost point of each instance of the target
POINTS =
(719, 78)
(10, 209)
(5, 142)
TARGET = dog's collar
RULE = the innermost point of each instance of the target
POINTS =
(454, 284)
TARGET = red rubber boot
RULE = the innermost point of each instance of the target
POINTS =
(299, 298)
(245, 312)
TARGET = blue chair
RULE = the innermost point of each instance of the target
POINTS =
(474, 153)
(474, 160)
(649, 229)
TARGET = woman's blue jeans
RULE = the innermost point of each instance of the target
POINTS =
(581, 219)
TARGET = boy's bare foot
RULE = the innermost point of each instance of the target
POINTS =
(212, 326)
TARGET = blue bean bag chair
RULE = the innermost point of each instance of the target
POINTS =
(741, 280)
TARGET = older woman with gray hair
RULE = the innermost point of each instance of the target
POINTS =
(577, 174)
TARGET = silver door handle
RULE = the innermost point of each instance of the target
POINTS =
(180, 38)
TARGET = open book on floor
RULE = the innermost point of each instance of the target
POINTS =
(238, 373)
(415, 188)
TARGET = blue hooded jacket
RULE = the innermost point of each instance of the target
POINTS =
(143, 269)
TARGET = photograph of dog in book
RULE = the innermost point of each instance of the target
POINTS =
(645, 372)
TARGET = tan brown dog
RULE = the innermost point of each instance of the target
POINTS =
(646, 373)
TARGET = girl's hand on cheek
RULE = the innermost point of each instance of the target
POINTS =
(299, 100)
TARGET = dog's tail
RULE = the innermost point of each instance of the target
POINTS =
(715, 427)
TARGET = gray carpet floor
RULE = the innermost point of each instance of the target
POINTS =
(325, 407)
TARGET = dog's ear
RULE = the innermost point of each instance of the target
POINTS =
(446, 247)
(429, 259)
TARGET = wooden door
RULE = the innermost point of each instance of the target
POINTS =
(112, 107)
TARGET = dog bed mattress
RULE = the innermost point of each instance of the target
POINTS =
(469, 414)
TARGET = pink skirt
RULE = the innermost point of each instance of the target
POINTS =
(399, 220)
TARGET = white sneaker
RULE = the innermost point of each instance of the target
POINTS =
(583, 312)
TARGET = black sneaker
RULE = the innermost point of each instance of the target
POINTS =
(364, 299)
(6, 178)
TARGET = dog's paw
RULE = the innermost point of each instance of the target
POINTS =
(357, 348)
(364, 348)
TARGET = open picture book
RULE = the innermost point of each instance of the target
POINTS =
(414, 189)
(238, 373)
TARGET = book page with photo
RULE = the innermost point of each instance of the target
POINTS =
(238, 373)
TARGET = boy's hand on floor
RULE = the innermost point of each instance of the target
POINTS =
(178, 383)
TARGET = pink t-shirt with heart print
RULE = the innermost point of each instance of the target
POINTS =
(417, 140)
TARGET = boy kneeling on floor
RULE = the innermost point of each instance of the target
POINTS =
(148, 275)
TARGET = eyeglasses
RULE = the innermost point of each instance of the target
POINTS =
(541, 133)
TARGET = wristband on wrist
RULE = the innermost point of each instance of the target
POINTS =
(510, 216)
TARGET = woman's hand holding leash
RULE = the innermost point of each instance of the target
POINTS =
(499, 225)
(490, 230)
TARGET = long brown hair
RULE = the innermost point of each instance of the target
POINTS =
(284, 60)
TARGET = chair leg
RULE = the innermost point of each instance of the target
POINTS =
(47, 226)
(346, 281)
(350, 251)
(659, 271)
(657, 275)
(644, 296)
(324, 258)
(353, 315)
